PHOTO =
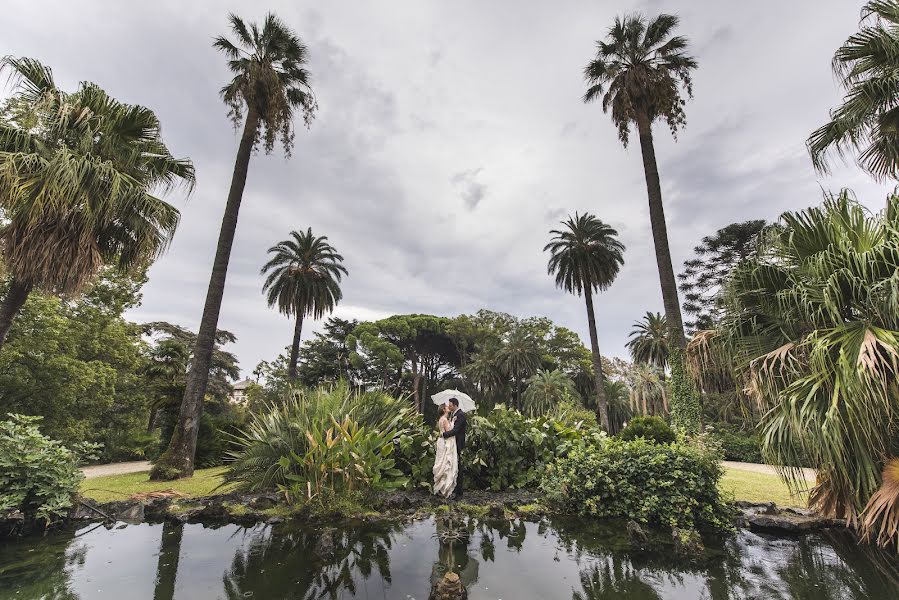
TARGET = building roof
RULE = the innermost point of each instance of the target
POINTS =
(242, 385)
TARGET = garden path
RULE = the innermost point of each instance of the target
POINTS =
(115, 469)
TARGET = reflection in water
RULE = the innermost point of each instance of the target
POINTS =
(559, 558)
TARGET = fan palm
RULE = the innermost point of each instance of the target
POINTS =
(620, 410)
(639, 72)
(648, 388)
(546, 390)
(813, 323)
(303, 279)
(270, 84)
(77, 176)
(649, 340)
(519, 357)
(868, 120)
(585, 257)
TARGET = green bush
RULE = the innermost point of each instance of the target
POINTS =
(735, 444)
(38, 476)
(506, 450)
(668, 485)
(652, 429)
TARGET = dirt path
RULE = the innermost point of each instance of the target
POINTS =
(758, 468)
(115, 469)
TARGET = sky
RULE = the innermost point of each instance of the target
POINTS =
(450, 138)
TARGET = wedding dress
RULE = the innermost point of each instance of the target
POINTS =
(446, 463)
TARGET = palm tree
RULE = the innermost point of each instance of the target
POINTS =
(649, 340)
(519, 357)
(270, 83)
(620, 410)
(639, 72)
(77, 176)
(648, 388)
(546, 390)
(868, 119)
(303, 279)
(585, 257)
(484, 372)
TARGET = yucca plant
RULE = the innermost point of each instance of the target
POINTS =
(813, 325)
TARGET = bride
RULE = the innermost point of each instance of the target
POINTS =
(446, 463)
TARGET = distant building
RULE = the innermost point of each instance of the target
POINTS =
(239, 391)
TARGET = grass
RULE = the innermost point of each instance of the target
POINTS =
(120, 487)
(744, 485)
(759, 487)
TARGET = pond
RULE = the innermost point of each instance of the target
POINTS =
(512, 560)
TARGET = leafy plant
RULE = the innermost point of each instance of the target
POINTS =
(652, 429)
(547, 389)
(671, 485)
(38, 476)
(735, 444)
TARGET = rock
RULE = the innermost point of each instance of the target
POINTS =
(635, 534)
(274, 520)
(83, 513)
(687, 542)
(449, 588)
(134, 512)
(397, 500)
(496, 511)
(324, 547)
(263, 502)
(157, 508)
(212, 512)
(756, 508)
(786, 522)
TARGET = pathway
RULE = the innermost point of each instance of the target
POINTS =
(115, 469)
(759, 468)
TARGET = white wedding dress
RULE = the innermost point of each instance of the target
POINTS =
(446, 463)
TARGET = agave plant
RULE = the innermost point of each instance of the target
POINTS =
(813, 324)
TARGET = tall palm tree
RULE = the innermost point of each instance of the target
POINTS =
(649, 340)
(270, 84)
(546, 390)
(585, 256)
(303, 279)
(639, 72)
(868, 119)
(78, 173)
(620, 410)
(519, 358)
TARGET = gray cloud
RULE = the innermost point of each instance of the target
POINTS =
(411, 98)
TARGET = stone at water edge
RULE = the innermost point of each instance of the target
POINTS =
(635, 534)
(449, 588)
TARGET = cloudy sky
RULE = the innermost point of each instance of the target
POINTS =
(450, 138)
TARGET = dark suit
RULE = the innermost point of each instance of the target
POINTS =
(460, 424)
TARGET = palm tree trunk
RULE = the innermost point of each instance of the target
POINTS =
(178, 460)
(602, 403)
(295, 349)
(416, 382)
(660, 233)
(11, 305)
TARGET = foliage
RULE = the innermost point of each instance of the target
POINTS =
(686, 412)
(620, 410)
(77, 176)
(813, 325)
(649, 340)
(519, 358)
(868, 119)
(38, 476)
(78, 363)
(652, 429)
(647, 388)
(303, 279)
(326, 358)
(703, 278)
(506, 450)
(328, 438)
(547, 389)
(735, 444)
(668, 485)
(270, 78)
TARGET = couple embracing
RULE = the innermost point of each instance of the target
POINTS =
(451, 441)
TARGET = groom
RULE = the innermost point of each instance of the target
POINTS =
(460, 423)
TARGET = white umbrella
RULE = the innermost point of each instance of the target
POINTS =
(465, 401)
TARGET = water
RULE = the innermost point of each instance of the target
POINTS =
(511, 560)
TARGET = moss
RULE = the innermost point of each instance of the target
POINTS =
(536, 509)
(473, 510)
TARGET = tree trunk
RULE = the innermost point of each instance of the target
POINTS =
(178, 460)
(602, 403)
(11, 305)
(660, 233)
(295, 349)
(416, 381)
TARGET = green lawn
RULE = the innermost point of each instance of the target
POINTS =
(759, 487)
(744, 485)
(120, 487)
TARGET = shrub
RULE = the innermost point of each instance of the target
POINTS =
(38, 476)
(669, 485)
(506, 450)
(652, 429)
(735, 444)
